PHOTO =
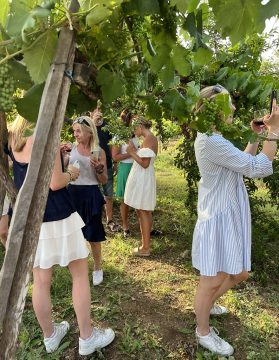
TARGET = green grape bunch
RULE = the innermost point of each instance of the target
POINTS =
(132, 77)
(7, 88)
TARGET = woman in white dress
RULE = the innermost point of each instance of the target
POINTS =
(222, 237)
(140, 191)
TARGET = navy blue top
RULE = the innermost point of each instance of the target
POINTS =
(104, 139)
(59, 205)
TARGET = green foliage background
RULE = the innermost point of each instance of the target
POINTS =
(152, 56)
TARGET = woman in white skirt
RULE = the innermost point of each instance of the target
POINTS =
(60, 242)
(140, 190)
(221, 248)
(4, 222)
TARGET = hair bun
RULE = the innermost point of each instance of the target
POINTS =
(143, 121)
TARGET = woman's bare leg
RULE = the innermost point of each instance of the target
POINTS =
(124, 211)
(230, 282)
(207, 287)
(41, 299)
(96, 248)
(4, 227)
(146, 226)
(81, 296)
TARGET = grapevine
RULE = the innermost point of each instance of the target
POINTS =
(7, 88)
(132, 77)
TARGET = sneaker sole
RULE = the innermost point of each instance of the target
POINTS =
(214, 352)
(109, 341)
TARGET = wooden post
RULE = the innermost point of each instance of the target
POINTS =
(31, 200)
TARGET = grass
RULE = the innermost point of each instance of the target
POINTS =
(148, 301)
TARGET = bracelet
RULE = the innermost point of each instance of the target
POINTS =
(71, 176)
(274, 134)
(268, 139)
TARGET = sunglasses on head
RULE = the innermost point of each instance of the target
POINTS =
(81, 120)
(218, 88)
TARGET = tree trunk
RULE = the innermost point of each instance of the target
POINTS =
(31, 200)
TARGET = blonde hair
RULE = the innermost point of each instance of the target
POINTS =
(17, 139)
(209, 93)
(87, 125)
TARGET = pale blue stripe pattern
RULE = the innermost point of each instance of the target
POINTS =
(222, 235)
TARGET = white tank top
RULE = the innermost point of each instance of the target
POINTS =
(87, 173)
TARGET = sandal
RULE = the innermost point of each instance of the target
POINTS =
(138, 252)
(156, 232)
(112, 226)
(126, 233)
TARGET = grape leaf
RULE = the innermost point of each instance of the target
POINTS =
(176, 102)
(142, 7)
(20, 75)
(180, 61)
(19, 14)
(4, 6)
(77, 102)
(236, 18)
(267, 11)
(40, 56)
(28, 106)
(185, 5)
(97, 15)
(158, 61)
(111, 85)
(202, 56)
(166, 75)
(222, 73)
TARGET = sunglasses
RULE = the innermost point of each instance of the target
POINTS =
(81, 120)
(218, 88)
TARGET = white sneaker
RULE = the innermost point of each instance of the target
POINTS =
(218, 310)
(99, 339)
(214, 343)
(98, 277)
(60, 330)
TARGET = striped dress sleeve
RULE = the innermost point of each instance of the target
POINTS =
(222, 152)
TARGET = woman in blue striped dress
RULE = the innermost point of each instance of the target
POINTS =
(221, 248)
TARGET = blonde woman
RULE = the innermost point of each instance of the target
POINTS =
(221, 248)
(85, 191)
(140, 190)
(60, 242)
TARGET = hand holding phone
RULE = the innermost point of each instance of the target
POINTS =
(273, 96)
(95, 154)
(258, 117)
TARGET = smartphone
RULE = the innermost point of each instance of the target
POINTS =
(95, 154)
(273, 96)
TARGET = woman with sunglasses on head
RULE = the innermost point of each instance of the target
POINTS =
(85, 191)
(221, 248)
(61, 242)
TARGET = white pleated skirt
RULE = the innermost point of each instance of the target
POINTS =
(61, 242)
(5, 206)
